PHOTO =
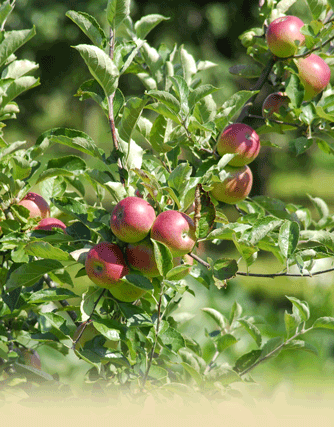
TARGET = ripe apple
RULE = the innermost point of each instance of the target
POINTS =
(176, 230)
(140, 256)
(132, 219)
(314, 74)
(235, 187)
(36, 204)
(49, 223)
(283, 36)
(89, 333)
(105, 264)
(273, 103)
(239, 139)
(126, 292)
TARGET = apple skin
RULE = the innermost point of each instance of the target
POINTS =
(36, 204)
(282, 34)
(126, 292)
(140, 256)
(239, 139)
(132, 219)
(176, 230)
(272, 104)
(105, 264)
(235, 188)
(49, 223)
(314, 74)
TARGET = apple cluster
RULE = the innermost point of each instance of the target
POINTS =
(134, 222)
(242, 141)
(283, 38)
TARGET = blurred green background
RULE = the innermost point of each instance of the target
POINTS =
(210, 31)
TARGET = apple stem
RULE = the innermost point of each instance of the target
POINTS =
(111, 115)
(156, 336)
(258, 86)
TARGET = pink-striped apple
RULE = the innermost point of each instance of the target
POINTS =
(314, 74)
(36, 204)
(132, 219)
(105, 264)
(239, 139)
(283, 36)
(176, 230)
(140, 256)
(235, 187)
(49, 223)
(273, 103)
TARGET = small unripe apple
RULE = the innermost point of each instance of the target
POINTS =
(140, 256)
(132, 219)
(126, 292)
(239, 139)
(176, 230)
(49, 223)
(283, 36)
(235, 187)
(36, 204)
(273, 103)
(105, 264)
(314, 74)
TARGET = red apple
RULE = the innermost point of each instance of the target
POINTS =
(37, 206)
(239, 139)
(176, 230)
(283, 36)
(105, 264)
(234, 188)
(49, 223)
(132, 219)
(314, 74)
(273, 103)
(140, 256)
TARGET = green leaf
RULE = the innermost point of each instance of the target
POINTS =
(139, 281)
(232, 106)
(317, 8)
(189, 66)
(45, 250)
(71, 138)
(45, 295)
(148, 23)
(17, 87)
(252, 330)
(163, 257)
(301, 345)
(247, 360)
(225, 268)
(299, 145)
(100, 66)
(301, 306)
(12, 41)
(225, 341)
(92, 90)
(172, 339)
(117, 11)
(323, 237)
(288, 238)
(292, 321)
(179, 176)
(58, 325)
(159, 134)
(132, 111)
(295, 91)
(218, 317)
(193, 373)
(236, 312)
(5, 10)
(89, 25)
(166, 98)
(324, 322)
(196, 95)
(275, 207)
(29, 274)
(261, 228)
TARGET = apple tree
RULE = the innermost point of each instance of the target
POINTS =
(176, 159)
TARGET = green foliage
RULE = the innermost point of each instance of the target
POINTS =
(162, 144)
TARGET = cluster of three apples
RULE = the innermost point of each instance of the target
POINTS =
(134, 221)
